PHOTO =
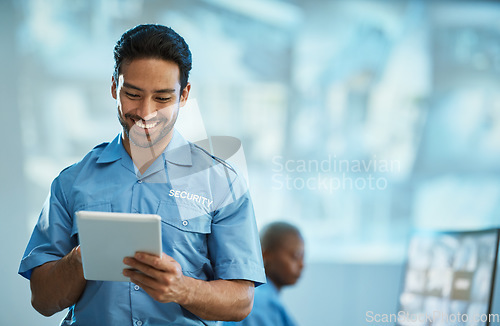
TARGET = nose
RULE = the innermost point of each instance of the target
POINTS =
(146, 109)
(301, 264)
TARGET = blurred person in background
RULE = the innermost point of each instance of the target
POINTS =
(283, 254)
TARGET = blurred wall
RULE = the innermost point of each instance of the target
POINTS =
(14, 306)
(342, 294)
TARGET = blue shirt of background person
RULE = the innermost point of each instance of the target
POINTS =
(211, 253)
(283, 253)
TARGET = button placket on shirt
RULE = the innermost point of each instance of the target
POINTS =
(134, 288)
(135, 197)
(135, 297)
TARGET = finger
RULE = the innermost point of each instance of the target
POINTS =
(77, 253)
(167, 257)
(141, 279)
(152, 287)
(144, 268)
(163, 263)
(163, 256)
(152, 291)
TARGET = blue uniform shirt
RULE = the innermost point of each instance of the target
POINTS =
(208, 226)
(267, 309)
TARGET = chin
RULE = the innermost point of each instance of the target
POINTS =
(140, 139)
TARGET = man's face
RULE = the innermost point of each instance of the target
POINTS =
(284, 263)
(148, 97)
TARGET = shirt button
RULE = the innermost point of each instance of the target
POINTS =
(140, 181)
(139, 323)
(185, 223)
(136, 287)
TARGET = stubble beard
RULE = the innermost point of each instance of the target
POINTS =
(145, 140)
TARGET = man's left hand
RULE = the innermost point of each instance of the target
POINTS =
(161, 277)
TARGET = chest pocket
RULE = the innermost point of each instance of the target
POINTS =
(185, 239)
(185, 218)
(104, 206)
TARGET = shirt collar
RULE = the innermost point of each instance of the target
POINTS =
(113, 151)
(177, 151)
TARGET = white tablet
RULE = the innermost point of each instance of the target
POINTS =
(106, 238)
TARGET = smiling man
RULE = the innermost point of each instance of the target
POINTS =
(212, 258)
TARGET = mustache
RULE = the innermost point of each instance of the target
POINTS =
(137, 117)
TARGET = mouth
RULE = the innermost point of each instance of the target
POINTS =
(146, 125)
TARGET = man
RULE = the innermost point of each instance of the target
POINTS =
(283, 253)
(211, 256)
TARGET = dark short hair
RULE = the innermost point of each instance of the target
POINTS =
(153, 41)
(272, 235)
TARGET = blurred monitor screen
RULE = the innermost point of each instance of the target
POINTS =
(449, 279)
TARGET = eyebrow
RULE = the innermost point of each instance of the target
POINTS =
(165, 90)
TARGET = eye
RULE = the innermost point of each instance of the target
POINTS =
(131, 95)
(163, 99)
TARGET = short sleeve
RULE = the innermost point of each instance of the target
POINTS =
(234, 244)
(52, 236)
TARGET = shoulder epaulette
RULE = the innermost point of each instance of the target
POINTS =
(101, 145)
(221, 161)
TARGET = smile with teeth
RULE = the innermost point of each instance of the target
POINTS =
(141, 124)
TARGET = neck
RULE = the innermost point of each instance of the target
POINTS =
(143, 157)
(276, 285)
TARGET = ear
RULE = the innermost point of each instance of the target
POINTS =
(113, 87)
(185, 95)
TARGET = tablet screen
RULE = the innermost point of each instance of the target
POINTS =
(106, 238)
